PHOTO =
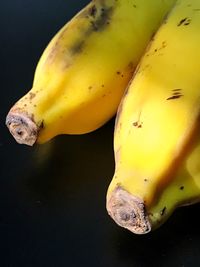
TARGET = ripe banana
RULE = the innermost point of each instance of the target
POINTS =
(157, 148)
(183, 189)
(85, 69)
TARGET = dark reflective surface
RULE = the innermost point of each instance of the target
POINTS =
(52, 197)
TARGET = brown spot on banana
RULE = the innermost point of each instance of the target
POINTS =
(128, 211)
(162, 212)
(101, 20)
(184, 22)
(31, 95)
(92, 11)
(176, 94)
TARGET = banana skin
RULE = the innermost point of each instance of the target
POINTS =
(156, 138)
(82, 74)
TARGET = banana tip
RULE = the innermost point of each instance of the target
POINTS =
(128, 211)
(22, 127)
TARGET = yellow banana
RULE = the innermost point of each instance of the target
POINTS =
(156, 127)
(85, 69)
(183, 189)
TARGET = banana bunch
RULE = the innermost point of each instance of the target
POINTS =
(139, 58)
(84, 71)
(157, 145)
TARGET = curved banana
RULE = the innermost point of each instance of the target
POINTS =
(156, 126)
(85, 69)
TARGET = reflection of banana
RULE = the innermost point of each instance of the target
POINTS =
(157, 124)
(42, 154)
(82, 74)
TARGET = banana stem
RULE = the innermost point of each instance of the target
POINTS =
(22, 127)
(128, 211)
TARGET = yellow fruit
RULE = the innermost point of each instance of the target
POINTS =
(85, 69)
(156, 127)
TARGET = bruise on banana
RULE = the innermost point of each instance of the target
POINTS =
(102, 18)
(98, 18)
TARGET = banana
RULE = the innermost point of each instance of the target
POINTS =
(82, 74)
(184, 189)
(156, 141)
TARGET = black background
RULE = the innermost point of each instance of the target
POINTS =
(52, 197)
